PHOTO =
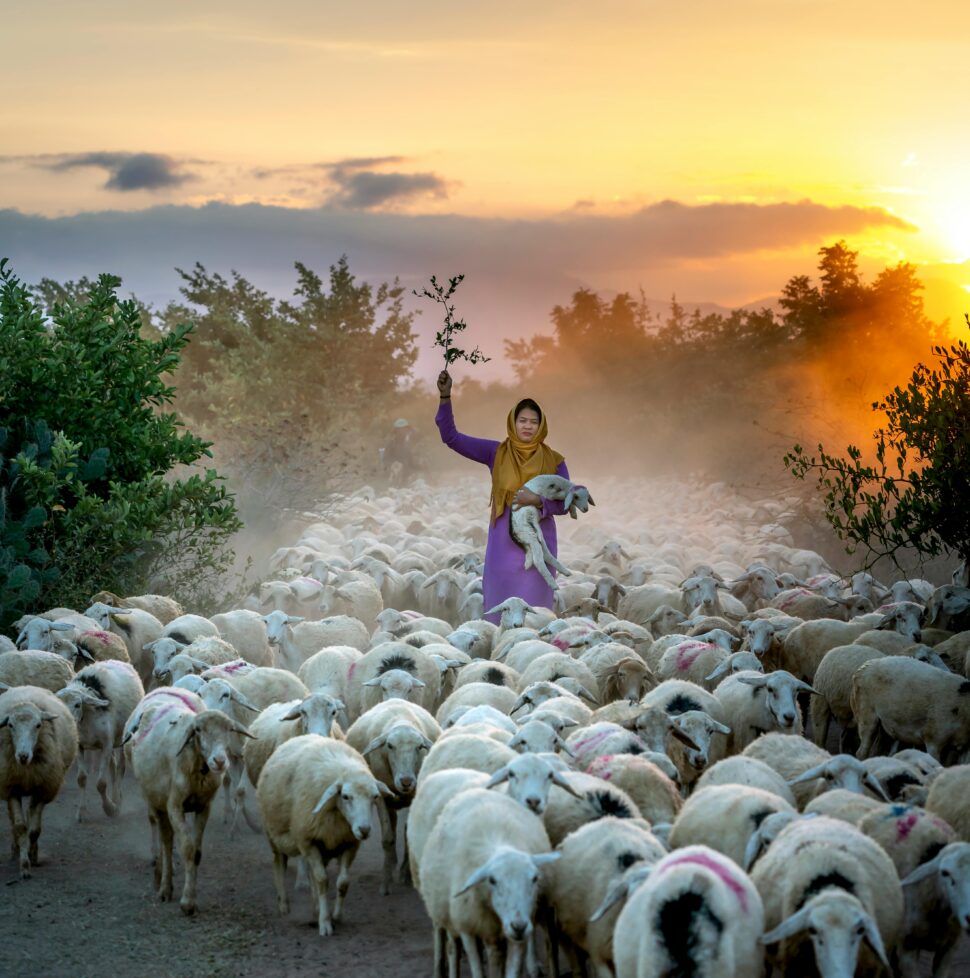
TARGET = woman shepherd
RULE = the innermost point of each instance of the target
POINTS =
(522, 456)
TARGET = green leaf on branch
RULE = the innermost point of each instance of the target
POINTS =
(444, 337)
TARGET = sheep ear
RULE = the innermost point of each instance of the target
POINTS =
(49, 717)
(4, 687)
(294, 619)
(61, 626)
(875, 940)
(243, 700)
(685, 738)
(619, 892)
(376, 681)
(590, 499)
(752, 850)
(383, 789)
(376, 744)
(719, 671)
(480, 874)
(294, 714)
(238, 728)
(544, 858)
(81, 651)
(327, 798)
(564, 747)
(923, 872)
(502, 774)
(558, 778)
(804, 687)
(794, 924)
(189, 737)
(129, 733)
(810, 775)
(720, 728)
(756, 681)
(149, 646)
(419, 683)
(873, 782)
(5, 722)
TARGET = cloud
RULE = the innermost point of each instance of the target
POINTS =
(126, 171)
(515, 270)
(361, 187)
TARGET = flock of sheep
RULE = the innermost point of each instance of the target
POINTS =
(636, 780)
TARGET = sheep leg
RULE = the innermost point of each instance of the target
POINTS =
(82, 783)
(18, 828)
(493, 960)
(470, 945)
(190, 849)
(452, 947)
(227, 796)
(318, 872)
(943, 959)
(36, 816)
(404, 871)
(279, 881)
(388, 820)
(238, 791)
(118, 775)
(164, 856)
(550, 557)
(531, 956)
(868, 732)
(513, 958)
(347, 858)
(104, 777)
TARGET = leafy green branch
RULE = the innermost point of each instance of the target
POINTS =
(444, 337)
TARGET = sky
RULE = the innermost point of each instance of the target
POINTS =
(703, 149)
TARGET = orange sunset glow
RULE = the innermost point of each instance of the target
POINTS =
(553, 120)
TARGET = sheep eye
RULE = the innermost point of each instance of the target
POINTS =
(860, 929)
(535, 879)
(945, 873)
(549, 776)
(813, 931)
(491, 881)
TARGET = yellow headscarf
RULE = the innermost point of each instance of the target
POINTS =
(517, 461)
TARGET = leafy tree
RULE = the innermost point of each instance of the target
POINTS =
(89, 496)
(912, 492)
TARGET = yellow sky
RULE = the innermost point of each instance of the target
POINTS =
(518, 110)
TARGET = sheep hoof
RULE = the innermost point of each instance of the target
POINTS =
(326, 928)
(187, 907)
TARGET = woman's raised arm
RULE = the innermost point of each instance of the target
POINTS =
(477, 449)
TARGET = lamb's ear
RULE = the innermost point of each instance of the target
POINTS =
(477, 877)
(327, 798)
(236, 727)
(418, 683)
(873, 782)
(383, 789)
(792, 925)
(243, 700)
(131, 732)
(923, 872)
(502, 774)
(376, 744)
(376, 681)
(61, 626)
(294, 714)
(685, 738)
(189, 737)
(590, 499)
(558, 778)
(544, 858)
(875, 940)
(756, 681)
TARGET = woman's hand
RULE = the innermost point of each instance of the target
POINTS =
(444, 384)
(526, 497)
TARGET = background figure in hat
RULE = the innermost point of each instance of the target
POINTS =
(522, 456)
(398, 454)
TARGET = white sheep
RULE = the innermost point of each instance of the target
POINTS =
(481, 877)
(947, 798)
(315, 795)
(759, 704)
(466, 750)
(245, 631)
(38, 743)
(179, 752)
(33, 667)
(394, 737)
(280, 722)
(164, 608)
(136, 628)
(477, 694)
(259, 685)
(101, 697)
(725, 817)
(936, 916)
(833, 683)
(593, 859)
(790, 755)
(524, 522)
(590, 799)
(693, 912)
(420, 679)
(651, 788)
(824, 878)
(297, 639)
(934, 713)
(746, 771)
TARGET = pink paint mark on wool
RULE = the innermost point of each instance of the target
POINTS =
(351, 670)
(588, 742)
(237, 665)
(905, 825)
(560, 644)
(598, 764)
(101, 636)
(686, 654)
(720, 871)
(184, 697)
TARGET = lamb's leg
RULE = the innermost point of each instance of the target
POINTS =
(318, 873)
(513, 958)
(164, 855)
(347, 858)
(36, 816)
(470, 945)
(117, 776)
(388, 820)
(156, 860)
(535, 551)
(279, 880)
(104, 777)
(18, 829)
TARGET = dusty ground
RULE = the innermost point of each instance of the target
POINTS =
(89, 910)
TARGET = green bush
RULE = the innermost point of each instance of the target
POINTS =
(91, 492)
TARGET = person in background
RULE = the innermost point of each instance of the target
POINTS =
(522, 456)
(397, 456)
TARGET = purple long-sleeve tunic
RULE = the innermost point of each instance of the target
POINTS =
(505, 574)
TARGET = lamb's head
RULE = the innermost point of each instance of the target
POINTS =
(904, 618)
(530, 779)
(404, 748)
(513, 611)
(578, 499)
(396, 684)
(780, 688)
(354, 797)
(277, 622)
(837, 923)
(217, 694)
(37, 633)
(162, 650)
(536, 737)
(24, 722)
(736, 662)
(210, 734)
(628, 679)
(700, 728)
(511, 882)
(78, 697)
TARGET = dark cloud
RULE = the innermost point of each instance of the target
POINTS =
(516, 270)
(367, 189)
(126, 171)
